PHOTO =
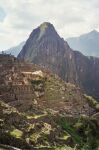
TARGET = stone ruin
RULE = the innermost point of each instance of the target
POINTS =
(17, 88)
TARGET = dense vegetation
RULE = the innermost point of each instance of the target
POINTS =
(47, 131)
(85, 132)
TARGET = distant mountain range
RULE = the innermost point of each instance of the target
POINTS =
(87, 43)
(15, 50)
(46, 48)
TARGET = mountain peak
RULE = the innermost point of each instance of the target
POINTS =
(93, 35)
(46, 28)
(90, 34)
(45, 25)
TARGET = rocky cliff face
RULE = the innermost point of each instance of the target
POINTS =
(46, 48)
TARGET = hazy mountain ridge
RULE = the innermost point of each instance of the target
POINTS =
(15, 50)
(87, 43)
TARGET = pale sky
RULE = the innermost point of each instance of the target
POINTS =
(70, 18)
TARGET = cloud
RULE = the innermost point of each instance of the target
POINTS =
(70, 18)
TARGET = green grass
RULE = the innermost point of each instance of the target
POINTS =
(35, 116)
(85, 132)
(34, 137)
(16, 133)
(92, 102)
(63, 148)
(65, 126)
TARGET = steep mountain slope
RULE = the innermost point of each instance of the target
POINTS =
(46, 48)
(15, 50)
(39, 111)
(87, 43)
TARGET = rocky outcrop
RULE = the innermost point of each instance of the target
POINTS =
(46, 48)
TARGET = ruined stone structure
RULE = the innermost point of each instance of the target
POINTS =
(27, 86)
(15, 88)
